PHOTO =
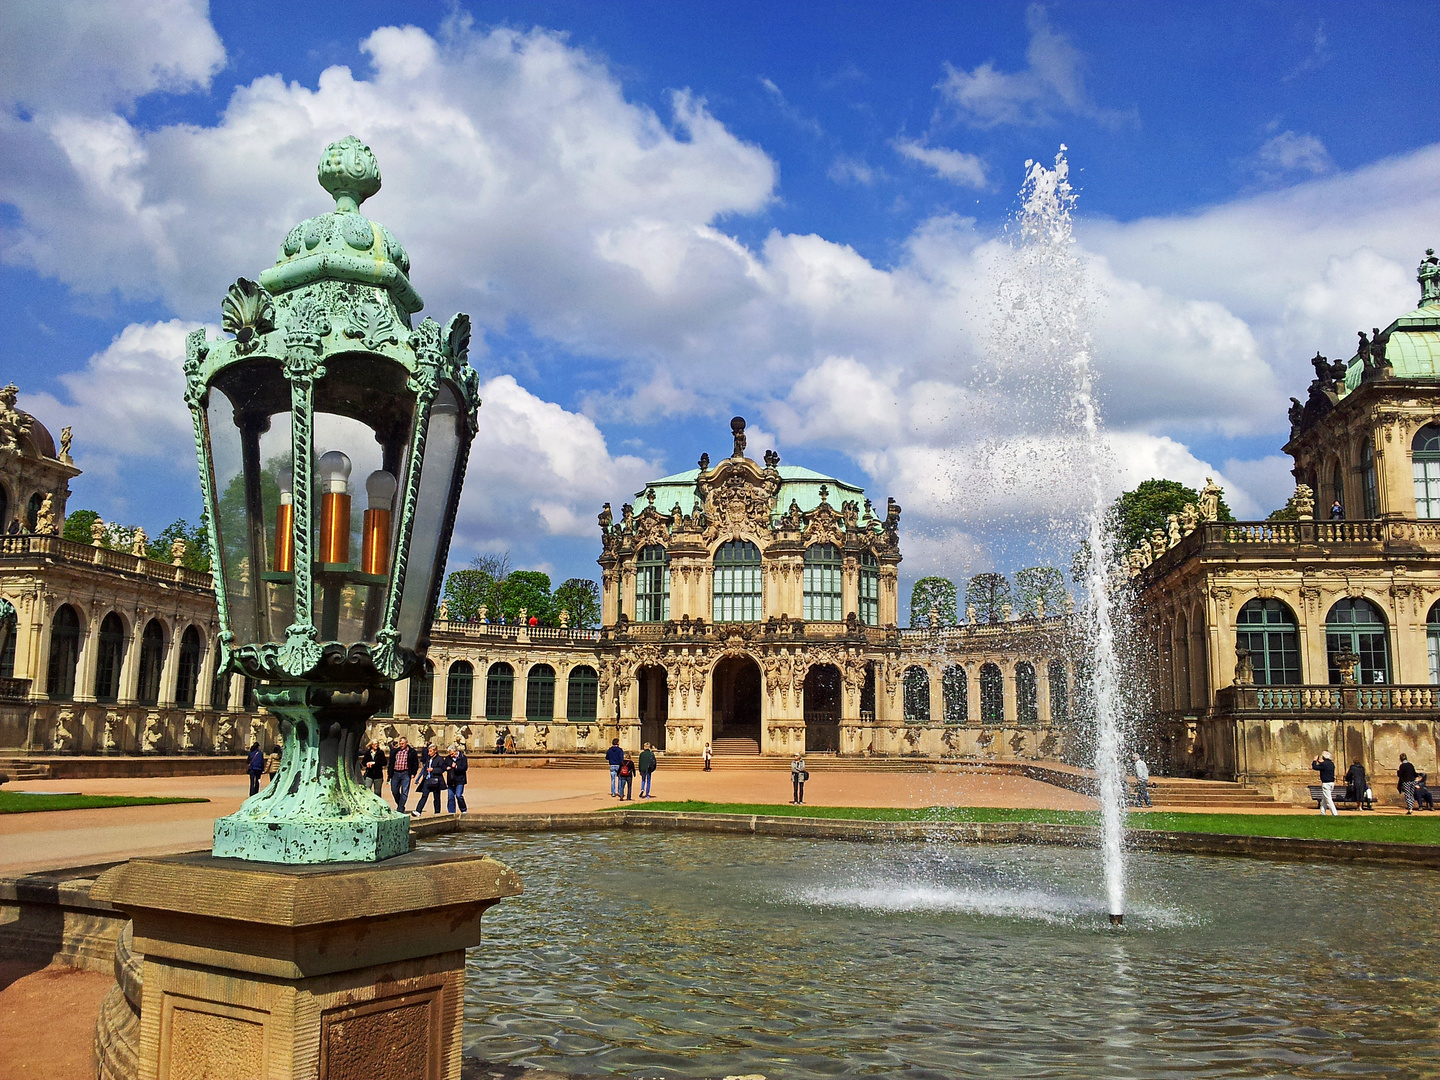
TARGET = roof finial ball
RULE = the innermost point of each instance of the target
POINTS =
(349, 172)
(737, 428)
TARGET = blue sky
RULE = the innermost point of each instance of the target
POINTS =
(662, 214)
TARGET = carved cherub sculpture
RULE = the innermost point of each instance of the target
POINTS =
(1172, 526)
(138, 544)
(46, 521)
(1189, 518)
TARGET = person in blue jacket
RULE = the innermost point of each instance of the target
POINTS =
(255, 765)
(614, 756)
(431, 779)
(457, 766)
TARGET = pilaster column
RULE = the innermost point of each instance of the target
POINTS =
(205, 681)
(169, 670)
(627, 591)
(130, 665)
(85, 665)
(39, 648)
(1007, 676)
(850, 587)
(1042, 692)
(972, 694)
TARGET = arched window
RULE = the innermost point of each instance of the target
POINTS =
(152, 662)
(499, 692)
(867, 692)
(737, 582)
(869, 589)
(1027, 705)
(652, 584)
(1425, 460)
(64, 651)
(992, 695)
(956, 688)
(187, 666)
(109, 657)
(583, 697)
(917, 695)
(4, 508)
(1059, 693)
(1267, 629)
(823, 569)
(459, 690)
(1357, 626)
(1432, 642)
(251, 695)
(32, 512)
(422, 692)
(1367, 481)
(540, 693)
(220, 687)
(1337, 491)
(9, 624)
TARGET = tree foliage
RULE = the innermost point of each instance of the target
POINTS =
(936, 592)
(528, 590)
(1039, 590)
(77, 526)
(1138, 513)
(580, 598)
(987, 594)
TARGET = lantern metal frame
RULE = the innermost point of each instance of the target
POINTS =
(338, 296)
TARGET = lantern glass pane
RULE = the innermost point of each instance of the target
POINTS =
(348, 603)
(437, 475)
(250, 451)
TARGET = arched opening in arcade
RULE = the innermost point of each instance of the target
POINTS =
(735, 705)
(654, 704)
(822, 709)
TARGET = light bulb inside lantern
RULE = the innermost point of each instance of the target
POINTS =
(334, 508)
(380, 487)
(375, 532)
(334, 472)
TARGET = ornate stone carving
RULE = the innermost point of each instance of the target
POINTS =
(14, 424)
(248, 312)
(1210, 500)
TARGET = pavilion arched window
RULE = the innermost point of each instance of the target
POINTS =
(4, 508)
(1337, 490)
(1368, 486)
(583, 696)
(737, 582)
(917, 695)
(652, 584)
(220, 687)
(109, 657)
(1267, 628)
(992, 696)
(1358, 627)
(152, 663)
(1027, 704)
(955, 685)
(869, 591)
(9, 627)
(1425, 461)
(459, 690)
(64, 652)
(540, 693)
(422, 692)
(1059, 693)
(823, 570)
(1432, 642)
(32, 512)
(187, 666)
(499, 692)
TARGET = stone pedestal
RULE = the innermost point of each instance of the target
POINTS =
(331, 972)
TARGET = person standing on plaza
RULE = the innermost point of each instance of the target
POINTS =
(647, 770)
(1355, 780)
(272, 759)
(1325, 766)
(1142, 782)
(374, 765)
(613, 757)
(707, 757)
(404, 763)
(798, 776)
(1405, 777)
(1424, 798)
(255, 765)
(431, 780)
(457, 765)
(626, 775)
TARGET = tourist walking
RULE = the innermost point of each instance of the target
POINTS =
(647, 770)
(626, 775)
(373, 764)
(457, 765)
(707, 757)
(1142, 783)
(404, 764)
(1405, 777)
(1325, 766)
(255, 765)
(798, 776)
(432, 779)
(613, 757)
(1355, 780)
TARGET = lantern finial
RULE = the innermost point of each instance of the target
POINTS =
(349, 172)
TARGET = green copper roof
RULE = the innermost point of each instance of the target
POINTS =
(1411, 344)
(798, 484)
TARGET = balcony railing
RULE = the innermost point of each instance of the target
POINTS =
(496, 632)
(54, 549)
(14, 689)
(1347, 537)
(1272, 699)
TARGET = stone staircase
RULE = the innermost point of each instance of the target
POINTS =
(19, 767)
(736, 747)
(1178, 793)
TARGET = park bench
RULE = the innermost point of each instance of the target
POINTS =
(1341, 794)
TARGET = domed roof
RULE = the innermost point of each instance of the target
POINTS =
(1409, 346)
(344, 244)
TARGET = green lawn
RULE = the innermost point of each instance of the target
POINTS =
(29, 802)
(1419, 829)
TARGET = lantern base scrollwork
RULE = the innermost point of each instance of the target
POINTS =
(315, 810)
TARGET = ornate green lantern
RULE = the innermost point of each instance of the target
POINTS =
(332, 437)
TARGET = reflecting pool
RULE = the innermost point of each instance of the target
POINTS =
(676, 954)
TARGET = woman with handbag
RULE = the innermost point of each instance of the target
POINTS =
(798, 776)
(432, 779)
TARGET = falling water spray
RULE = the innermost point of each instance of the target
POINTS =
(1058, 302)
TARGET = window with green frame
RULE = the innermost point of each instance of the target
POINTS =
(459, 690)
(1367, 481)
(1267, 628)
(1432, 642)
(1425, 461)
(540, 693)
(583, 695)
(1027, 700)
(1358, 626)
(652, 584)
(992, 695)
(917, 695)
(823, 570)
(422, 692)
(1059, 693)
(737, 596)
(499, 692)
(955, 685)
(869, 597)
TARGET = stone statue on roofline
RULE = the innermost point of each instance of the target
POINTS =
(737, 429)
(1210, 500)
(47, 522)
(1189, 518)
(137, 545)
(1244, 669)
(65, 437)
(1172, 527)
